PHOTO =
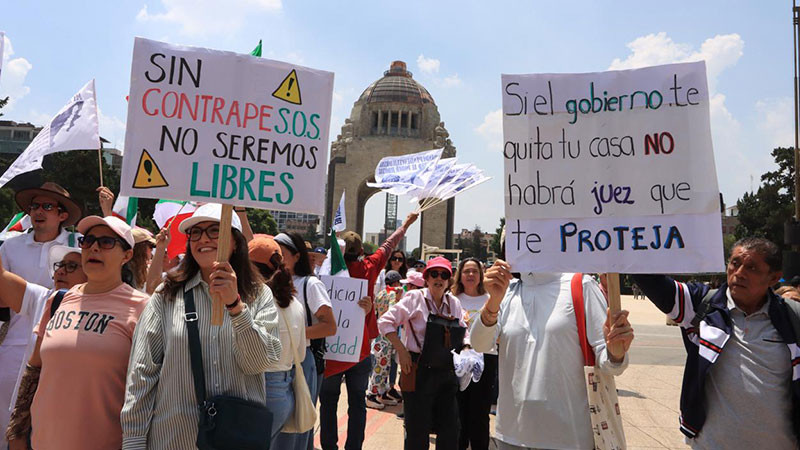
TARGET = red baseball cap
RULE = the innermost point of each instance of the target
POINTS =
(440, 262)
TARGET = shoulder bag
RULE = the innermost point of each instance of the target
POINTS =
(601, 389)
(304, 415)
(226, 422)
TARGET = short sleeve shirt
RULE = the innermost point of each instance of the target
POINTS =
(316, 296)
(85, 350)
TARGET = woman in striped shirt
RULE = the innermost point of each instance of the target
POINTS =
(160, 410)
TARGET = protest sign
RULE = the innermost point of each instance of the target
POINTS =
(214, 126)
(345, 293)
(611, 172)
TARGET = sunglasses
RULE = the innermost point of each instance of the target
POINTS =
(45, 206)
(68, 266)
(397, 258)
(444, 275)
(196, 233)
(104, 242)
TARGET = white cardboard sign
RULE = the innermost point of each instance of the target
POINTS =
(345, 293)
(213, 126)
(611, 172)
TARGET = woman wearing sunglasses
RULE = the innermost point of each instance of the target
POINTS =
(396, 262)
(161, 407)
(27, 300)
(81, 355)
(433, 326)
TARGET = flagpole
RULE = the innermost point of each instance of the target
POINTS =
(100, 162)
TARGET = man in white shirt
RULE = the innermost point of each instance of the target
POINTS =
(543, 401)
(51, 209)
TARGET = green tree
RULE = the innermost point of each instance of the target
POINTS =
(3, 102)
(764, 212)
(261, 221)
(496, 244)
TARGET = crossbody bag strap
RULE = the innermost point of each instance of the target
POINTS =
(576, 286)
(305, 300)
(57, 301)
(195, 351)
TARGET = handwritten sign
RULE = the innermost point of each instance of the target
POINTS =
(214, 126)
(345, 293)
(611, 172)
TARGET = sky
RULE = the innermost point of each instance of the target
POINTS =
(457, 50)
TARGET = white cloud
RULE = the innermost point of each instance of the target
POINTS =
(428, 65)
(112, 128)
(491, 130)
(15, 70)
(204, 17)
(720, 53)
(452, 81)
(776, 121)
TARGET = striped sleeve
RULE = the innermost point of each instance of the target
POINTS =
(683, 310)
(257, 343)
(144, 370)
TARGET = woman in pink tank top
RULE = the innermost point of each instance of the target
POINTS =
(74, 385)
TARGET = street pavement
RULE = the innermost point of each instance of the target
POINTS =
(649, 390)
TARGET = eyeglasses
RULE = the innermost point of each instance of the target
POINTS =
(68, 266)
(45, 206)
(105, 242)
(196, 233)
(396, 258)
(444, 275)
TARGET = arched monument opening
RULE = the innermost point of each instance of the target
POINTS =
(394, 116)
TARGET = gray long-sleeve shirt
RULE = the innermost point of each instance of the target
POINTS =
(160, 410)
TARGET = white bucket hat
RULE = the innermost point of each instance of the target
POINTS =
(209, 212)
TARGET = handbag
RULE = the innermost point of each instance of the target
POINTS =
(226, 422)
(304, 415)
(601, 389)
(408, 381)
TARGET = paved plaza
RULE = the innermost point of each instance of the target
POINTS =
(649, 390)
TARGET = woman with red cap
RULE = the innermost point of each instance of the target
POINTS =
(433, 322)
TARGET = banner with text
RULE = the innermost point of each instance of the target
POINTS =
(214, 126)
(345, 293)
(611, 172)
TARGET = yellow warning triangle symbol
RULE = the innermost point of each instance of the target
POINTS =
(148, 175)
(289, 90)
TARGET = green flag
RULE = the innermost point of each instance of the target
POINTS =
(257, 51)
(338, 266)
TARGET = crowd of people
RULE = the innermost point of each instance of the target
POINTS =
(111, 344)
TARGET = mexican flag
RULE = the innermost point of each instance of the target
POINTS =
(338, 266)
(167, 209)
(126, 208)
(177, 240)
(257, 51)
(20, 222)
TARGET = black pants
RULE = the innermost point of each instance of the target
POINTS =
(474, 404)
(432, 406)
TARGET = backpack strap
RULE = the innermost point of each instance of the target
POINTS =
(576, 286)
(703, 308)
(57, 301)
(794, 317)
(195, 351)
(305, 301)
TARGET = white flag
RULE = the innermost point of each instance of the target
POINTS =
(400, 174)
(2, 47)
(75, 127)
(339, 219)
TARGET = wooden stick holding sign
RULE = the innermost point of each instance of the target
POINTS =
(223, 248)
(612, 289)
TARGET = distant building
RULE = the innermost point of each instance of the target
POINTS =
(730, 220)
(15, 138)
(379, 238)
(466, 236)
(295, 222)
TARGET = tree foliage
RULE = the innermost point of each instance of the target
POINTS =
(261, 221)
(764, 212)
(496, 244)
